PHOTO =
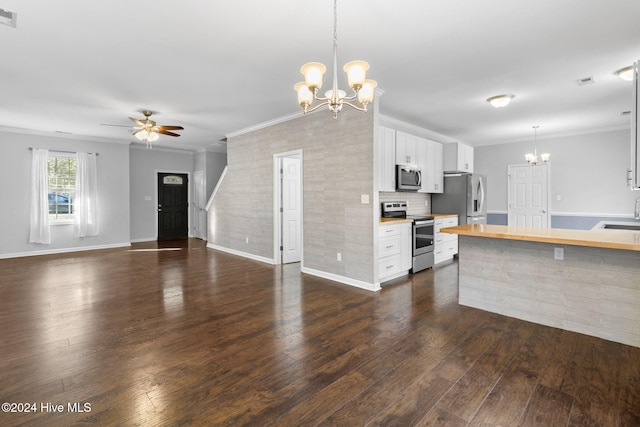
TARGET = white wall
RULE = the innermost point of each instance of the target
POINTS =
(588, 172)
(215, 164)
(113, 198)
(144, 166)
(212, 164)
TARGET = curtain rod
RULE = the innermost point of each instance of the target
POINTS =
(63, 151)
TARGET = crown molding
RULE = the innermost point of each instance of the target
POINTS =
(65, 135)
(414, 129)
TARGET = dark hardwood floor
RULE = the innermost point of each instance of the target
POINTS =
(178, 334)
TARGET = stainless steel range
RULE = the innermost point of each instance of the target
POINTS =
(423, 232)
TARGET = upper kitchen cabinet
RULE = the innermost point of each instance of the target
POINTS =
(393, 146)
(430, 162)
(433, 181)
(458, 157)
(386, 148)
(633, 177)
(406, 148)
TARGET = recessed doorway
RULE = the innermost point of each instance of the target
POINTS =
(173, 205)
(288, 207)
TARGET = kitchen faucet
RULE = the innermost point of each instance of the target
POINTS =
(636, 213)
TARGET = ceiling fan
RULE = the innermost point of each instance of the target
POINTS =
(149, 131)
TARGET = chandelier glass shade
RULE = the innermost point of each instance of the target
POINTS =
(532, 158)
(363, 88)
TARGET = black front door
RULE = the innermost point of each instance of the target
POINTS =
(173, 212)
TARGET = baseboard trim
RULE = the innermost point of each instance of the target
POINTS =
(145, 240)
(242, 254)
(374, 287)
(64, 250)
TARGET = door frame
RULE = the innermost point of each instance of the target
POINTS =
(189, 199)
(277, 197)
(547, 189)
(196, 209)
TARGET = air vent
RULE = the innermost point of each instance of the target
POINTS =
(585, 81)
(8, 18)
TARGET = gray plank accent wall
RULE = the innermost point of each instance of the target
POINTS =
(593, 291)
(337, 169)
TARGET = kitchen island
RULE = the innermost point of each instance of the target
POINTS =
(577, 280)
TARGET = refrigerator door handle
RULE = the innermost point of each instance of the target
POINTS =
(481, 194)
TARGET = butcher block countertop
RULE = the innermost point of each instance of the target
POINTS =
(435, 216)
(439, 216)
(386, 221)
(610, 239)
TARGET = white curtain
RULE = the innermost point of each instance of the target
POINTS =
(85, 205)
(39, 215)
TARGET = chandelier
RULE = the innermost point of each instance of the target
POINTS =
(335, 99)
(532, 159)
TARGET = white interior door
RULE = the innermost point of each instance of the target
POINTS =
(291, 210)
(199, 203)
(529, 196)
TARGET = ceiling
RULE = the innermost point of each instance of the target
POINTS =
(217, 67)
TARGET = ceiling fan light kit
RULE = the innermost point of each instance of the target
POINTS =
(335, 99)
(149, 131)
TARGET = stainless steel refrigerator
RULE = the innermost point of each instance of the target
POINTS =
(465, 195)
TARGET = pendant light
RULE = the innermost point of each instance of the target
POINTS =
(532, 159)
(335, 99)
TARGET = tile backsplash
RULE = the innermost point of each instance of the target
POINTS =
(417, 203)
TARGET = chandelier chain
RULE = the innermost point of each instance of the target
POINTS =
(335, 22)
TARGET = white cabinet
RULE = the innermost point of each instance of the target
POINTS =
(445, 245)
(432, 167)
(427, 155)
(633, 174)
(458, 157)
(386, 152)
(394, 250)
(406, 148)
(397, 147)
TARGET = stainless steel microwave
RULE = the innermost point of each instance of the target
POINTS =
(408, 178)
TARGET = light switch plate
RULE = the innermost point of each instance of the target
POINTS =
(364, 199)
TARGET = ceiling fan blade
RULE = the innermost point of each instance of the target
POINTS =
(166, 132)
(137, 122)
(120, 126)
(171, 127)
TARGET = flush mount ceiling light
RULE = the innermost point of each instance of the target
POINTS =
(8, 18)
(532, 159)
(334, 99)
(625, 73)
(500, 101)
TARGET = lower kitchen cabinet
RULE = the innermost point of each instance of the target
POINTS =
(446, 245)
(394, 250)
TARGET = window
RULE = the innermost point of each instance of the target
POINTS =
(62, 183)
